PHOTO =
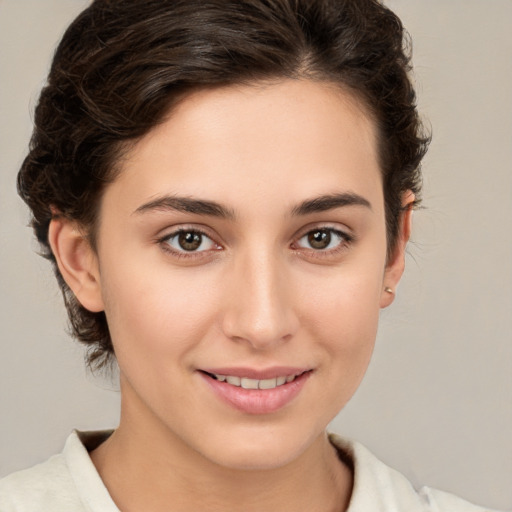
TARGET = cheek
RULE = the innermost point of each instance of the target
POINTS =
(154, 311)
(344, 302)
(342, 316)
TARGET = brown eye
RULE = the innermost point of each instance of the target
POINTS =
(319, 239)
(323, 239)
(190, 240)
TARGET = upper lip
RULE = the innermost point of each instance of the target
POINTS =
(258, 374)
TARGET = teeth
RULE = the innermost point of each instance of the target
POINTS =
(247, 383)
(267, 384)
(235, 381)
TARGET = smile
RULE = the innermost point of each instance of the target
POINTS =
(247, 383)
(267, 394)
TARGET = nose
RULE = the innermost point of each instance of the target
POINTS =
(259, 308)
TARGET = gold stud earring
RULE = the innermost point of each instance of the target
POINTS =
(387, 289)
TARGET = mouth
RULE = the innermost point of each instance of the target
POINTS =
(249, 383)
(249, 394)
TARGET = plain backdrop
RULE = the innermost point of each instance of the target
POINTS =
(437, 399)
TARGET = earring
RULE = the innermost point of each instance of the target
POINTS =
(387, 289)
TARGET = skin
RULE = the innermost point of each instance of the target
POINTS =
(256, 294)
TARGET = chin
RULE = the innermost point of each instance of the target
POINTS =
(257, 451)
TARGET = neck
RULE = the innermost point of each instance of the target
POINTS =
(145, 467)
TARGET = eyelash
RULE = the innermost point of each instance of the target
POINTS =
(164, 242)
(345, 241)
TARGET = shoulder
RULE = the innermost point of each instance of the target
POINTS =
(38, 488)
(67, 482)
(379, 488)
(440, 501)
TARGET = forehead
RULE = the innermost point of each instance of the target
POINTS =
(277, 140)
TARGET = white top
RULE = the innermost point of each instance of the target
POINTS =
(69, 482)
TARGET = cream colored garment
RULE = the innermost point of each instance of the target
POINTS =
(69, 482)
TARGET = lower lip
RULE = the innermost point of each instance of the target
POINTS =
(257, 401)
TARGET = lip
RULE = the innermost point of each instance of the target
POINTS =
(252, 373)
(257, 401)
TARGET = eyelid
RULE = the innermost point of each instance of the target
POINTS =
(330, 226)
(348, 238)
(174, 231)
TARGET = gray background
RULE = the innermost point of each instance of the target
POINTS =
(437, 400)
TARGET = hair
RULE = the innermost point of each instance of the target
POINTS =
(121, 66)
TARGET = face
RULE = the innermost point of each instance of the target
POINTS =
(243, 246)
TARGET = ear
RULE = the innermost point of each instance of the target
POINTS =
(396, 264)
(77, 262)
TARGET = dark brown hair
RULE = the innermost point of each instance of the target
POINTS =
(121, 65)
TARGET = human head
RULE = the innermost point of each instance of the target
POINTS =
(122, 66)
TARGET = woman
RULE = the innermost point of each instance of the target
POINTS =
(225, 190)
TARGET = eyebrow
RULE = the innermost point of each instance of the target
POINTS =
(188, 205)
(330, 202)
(214, 209)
